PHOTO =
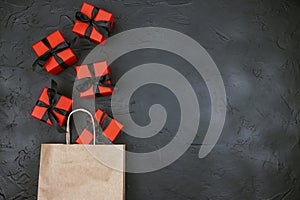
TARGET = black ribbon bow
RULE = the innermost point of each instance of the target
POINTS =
(49, 114)
(52, 52)
(100, 25)
(103, 124)
(85, 83)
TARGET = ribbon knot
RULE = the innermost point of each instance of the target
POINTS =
(52, 51)
(91, 22)
(95, 81)
(51, 107)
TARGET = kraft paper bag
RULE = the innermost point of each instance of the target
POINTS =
(71, 172)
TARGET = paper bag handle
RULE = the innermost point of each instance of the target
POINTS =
(68, 135)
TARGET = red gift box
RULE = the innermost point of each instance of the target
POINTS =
(110, 128)
(86, 137)
(52, 107)
(94, 80)
(54, 53)
(93, 23)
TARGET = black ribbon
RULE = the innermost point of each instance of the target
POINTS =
(53, 100)
(85, 83)
(101, 26)
(52, 52)
(103, 124)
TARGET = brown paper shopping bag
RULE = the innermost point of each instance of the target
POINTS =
(83, 172)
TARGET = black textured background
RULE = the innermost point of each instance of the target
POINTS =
(255, 44)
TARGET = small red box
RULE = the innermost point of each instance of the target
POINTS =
(54, 53)
(93, 23)
(86, 137)
(52, 105)
(94, 80)
(110, 128)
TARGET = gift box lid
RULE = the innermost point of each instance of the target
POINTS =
(100, 69)
(54, 39)
(102, 14)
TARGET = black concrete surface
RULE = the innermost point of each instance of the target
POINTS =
(255, 44)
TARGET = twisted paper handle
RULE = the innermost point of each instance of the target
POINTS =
(68, 134)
